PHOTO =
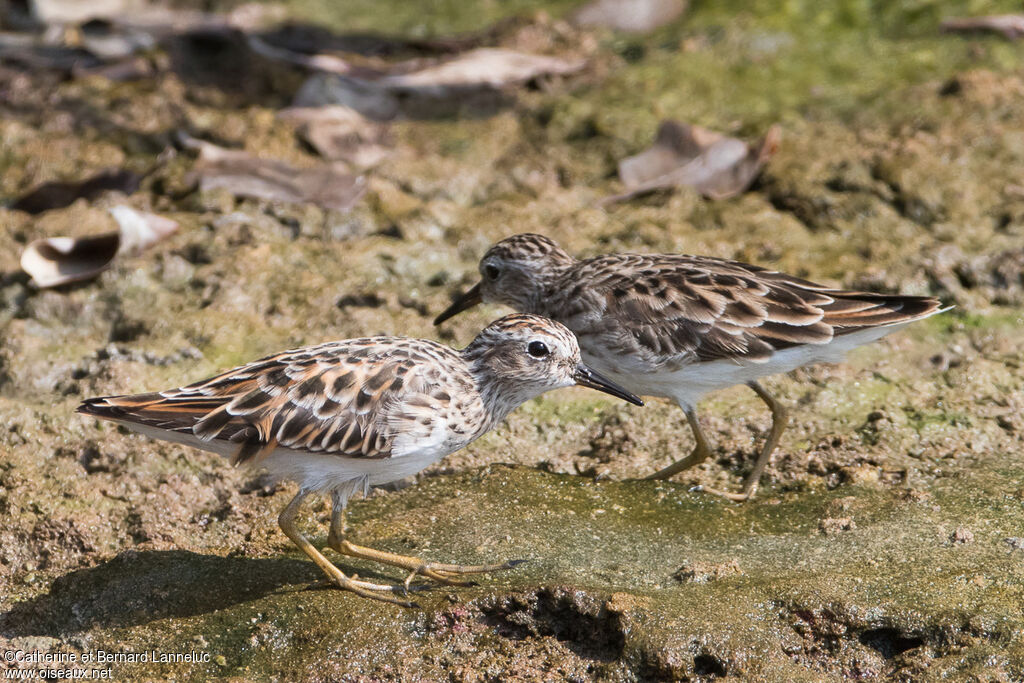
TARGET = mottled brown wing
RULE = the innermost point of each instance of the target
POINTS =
(685, 308)
(351, 398)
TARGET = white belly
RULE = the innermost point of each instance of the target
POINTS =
(318, 472)
(321, 473)
(689, 383)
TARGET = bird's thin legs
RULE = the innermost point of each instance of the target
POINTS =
(780, 419)
(700, 452)
(440, 572)
(287, 523)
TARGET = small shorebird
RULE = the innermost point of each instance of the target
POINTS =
(679, 326)
(345, 415)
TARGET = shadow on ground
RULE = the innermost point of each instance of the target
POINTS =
(138, 587)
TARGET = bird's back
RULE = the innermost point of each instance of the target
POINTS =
(372, 398)
(659, 313)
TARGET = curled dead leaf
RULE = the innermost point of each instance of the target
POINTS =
(340, 133)
(636, 16)
(55, 261)
(715, 165)
(484, 67)
(328, 185)
(76, 11)
(326, 63)
(383, 95)
(56, 195)
(1010, 26)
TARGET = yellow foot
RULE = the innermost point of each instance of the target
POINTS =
(442, 573)
(372, 590)
(728, 495)
(446, 573)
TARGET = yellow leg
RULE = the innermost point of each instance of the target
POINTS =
(287, 523)
(700, 452)
(779, 420)
(442, 573)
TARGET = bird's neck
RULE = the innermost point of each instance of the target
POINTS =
(500, 399)
(499, 396)
(546, 283)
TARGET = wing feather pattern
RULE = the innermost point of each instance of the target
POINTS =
(354, 398)
(676, 309)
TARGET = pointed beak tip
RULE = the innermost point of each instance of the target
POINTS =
(585, 377)
(465, 301)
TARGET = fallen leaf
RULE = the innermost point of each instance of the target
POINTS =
(365, 97)
(107, 42)
(635, 16)
(140, 230)
(33, 53)
(56, 261)
(484, 67)
(131, 69)
(327, 185)
(340, 134)
(93, 33)
(56, 195)
(311, 39)
(1010, 26)
(384, 95)
(77, 12)
(157, 19)
(715, 165)
(317, 62)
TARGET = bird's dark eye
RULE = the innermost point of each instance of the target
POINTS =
(492, 272)
(537, 349)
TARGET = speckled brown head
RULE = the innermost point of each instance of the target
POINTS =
(514, 272)
(526, 355)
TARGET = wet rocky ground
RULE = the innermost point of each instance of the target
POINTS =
(886, 541)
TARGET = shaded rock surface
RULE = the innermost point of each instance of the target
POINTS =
(597, 597)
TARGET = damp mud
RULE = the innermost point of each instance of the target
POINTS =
(886, 540)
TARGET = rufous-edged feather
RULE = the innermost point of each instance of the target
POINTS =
(675, 308)
(349, 399)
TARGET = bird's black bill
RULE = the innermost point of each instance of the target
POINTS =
(467, 300)
(585, 377)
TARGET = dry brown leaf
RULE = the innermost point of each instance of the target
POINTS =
(486, 67)
(317, 62)
(713, 164)
(328, 185)
(381, 96)
(340, 134)
(58, 194)
(366, 97)
(34, 53)
(636, 16)
(1010, 26)
(77, 11)
(108, 42)
(57, 261)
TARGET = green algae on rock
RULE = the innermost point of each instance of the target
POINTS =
(890, 597)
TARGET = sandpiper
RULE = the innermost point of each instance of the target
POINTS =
(345, 415)
(679, 326)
